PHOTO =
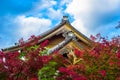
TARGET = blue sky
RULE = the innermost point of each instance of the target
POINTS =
(23, 18)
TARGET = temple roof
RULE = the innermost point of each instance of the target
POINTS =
(49, 33)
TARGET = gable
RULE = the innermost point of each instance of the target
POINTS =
(59, 37)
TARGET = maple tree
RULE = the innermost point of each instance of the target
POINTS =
(101, 62)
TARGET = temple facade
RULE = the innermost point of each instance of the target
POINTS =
(64, 34)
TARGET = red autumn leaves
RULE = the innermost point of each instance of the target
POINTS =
(101, 62)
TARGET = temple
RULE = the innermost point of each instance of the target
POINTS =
(64, 34)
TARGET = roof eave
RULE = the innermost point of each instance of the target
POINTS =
(41, 36)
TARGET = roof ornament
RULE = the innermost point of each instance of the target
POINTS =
(70, 34)
(65, 18)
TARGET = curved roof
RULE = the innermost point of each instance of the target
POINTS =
(63, 22)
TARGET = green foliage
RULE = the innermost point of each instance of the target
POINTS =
(44, 52)
(48, 72)
(2, 76)
(33, 48)
(22, 54)
(28, 49)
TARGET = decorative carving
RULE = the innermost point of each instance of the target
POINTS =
(60, 45)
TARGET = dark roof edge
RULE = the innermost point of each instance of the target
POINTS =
(64, 20)
(50, 30)
(79, 32)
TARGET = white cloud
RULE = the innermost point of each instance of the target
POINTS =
(64, 2)
(91, 13)
(107, 5)
(55, 14)
(28, 26)
(80, 8)
(44, 4)
(78, 24)
(48, 8)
